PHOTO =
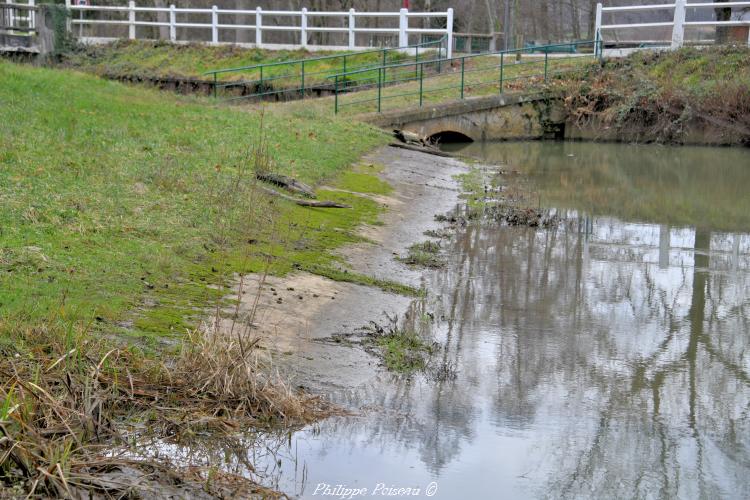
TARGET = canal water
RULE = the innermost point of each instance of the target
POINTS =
(607, 357)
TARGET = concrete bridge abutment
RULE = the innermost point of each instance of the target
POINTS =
(500, 117)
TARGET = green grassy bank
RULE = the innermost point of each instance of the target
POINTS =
(121, 208)
(661, 96)
(153, 59)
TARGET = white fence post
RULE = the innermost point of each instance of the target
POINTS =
(678, 31)
(449, 28)
(172, 22)
(215, 24)
(598, 26)
(68, 22)
(31, 18)
(258, 27)
(352, 33)
(131, 19)
(403, 24)
(303, 28)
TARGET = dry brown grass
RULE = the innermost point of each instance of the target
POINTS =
(63, 408)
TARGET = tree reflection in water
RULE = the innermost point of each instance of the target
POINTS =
(600, 359)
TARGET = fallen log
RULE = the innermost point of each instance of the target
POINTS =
(287, 183)
(408, 137)
(305, 203)
(421, 149)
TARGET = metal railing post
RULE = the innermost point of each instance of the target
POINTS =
(463, 63)
(380, 85)
(440, 55)
(384, 59)
(216, 85)
(416, 59)
(336, 96)
(502, 69)
(546, 63)
(260, 82)
(421, 80)
(302, 87)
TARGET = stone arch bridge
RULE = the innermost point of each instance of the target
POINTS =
(498, 117)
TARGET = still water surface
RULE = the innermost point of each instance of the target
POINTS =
(605, 358)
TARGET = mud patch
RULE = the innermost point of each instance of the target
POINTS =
(311, 324)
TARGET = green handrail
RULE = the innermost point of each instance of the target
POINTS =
(457, 58)
(419, 72)
(302, 62)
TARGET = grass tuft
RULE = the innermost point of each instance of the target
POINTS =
(402, 349)
(425, 254)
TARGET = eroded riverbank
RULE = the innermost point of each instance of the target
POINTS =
(303, 317)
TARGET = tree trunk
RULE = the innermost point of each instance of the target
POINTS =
(490, 16)
(592, 19)
(162, 17)
(244, 36)
(544, 20)
(575, 15)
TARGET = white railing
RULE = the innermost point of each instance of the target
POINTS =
(679, 22)
(347, 20)
(20, 17)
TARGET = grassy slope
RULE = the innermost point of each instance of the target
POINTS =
(697, 71)
(112, 198)
(162, 59)
(655, 92)
(481, 78)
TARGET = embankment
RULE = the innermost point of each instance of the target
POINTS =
(125, 217)
(689, 96)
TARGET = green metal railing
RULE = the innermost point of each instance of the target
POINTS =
(458, 77)
(300, 75)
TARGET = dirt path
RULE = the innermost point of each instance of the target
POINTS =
(298, 328)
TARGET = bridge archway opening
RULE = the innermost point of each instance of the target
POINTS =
(449, 136)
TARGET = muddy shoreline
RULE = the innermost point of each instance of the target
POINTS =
(303, 317)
